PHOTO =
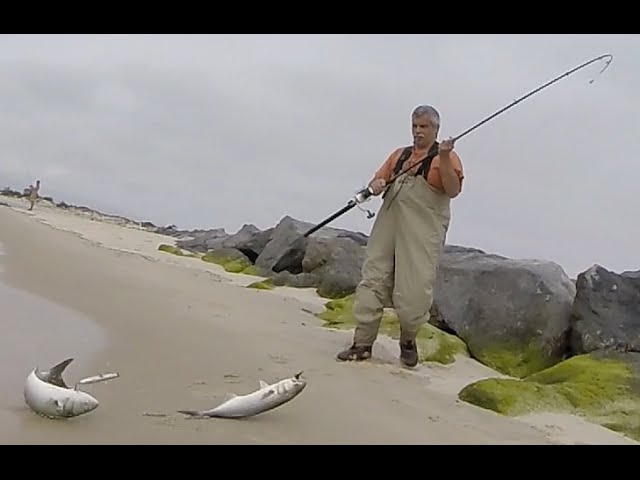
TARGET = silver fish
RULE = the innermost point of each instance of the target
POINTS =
(47, 394)
(266, 398)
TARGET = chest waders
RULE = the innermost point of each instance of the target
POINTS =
(403, 252)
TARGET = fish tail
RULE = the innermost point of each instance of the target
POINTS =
(191, 413)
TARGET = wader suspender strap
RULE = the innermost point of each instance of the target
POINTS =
(425, 163)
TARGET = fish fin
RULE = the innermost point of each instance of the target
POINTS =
(55, 373)
(229, 396)
(267, 394)
(263, 384)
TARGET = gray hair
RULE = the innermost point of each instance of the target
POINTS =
(428, 111)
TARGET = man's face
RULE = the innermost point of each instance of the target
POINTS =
(424, 133)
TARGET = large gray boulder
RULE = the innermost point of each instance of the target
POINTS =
(514, 315)
(204, 240)
(606, 311)
(287, 242)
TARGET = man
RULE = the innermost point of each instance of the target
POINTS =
(33, 194)
(407, 237)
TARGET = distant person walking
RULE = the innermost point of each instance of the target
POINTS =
(407, 237)
(33, 194)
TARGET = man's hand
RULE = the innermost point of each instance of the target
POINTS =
(377, 185)
(445, 147)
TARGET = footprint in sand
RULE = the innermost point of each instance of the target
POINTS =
(200, 389)
(195, 384)
(232, 378)
(400, 373)
(228, 378)
(279, 359)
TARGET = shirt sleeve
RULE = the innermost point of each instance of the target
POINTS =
(385, 171)
(457, 166)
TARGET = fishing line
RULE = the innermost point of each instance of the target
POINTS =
(524, 97)
(366, 193)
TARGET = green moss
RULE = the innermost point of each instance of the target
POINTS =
(434, 345)
(514, 360)
(338, 313)
(263, 285)
(599, 389)
(230, 264)
(236, 266)
(513, 397)
(174, 250)
(170, 249)
(251, 270)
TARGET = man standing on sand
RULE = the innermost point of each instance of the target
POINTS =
(407, 237)
(33, 194)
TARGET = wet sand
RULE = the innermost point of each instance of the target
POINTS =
(182, 334)
(37, 330)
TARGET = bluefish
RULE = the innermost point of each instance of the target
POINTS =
(266, 398)
(47, 394)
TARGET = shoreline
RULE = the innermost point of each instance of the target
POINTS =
(141, 242)
(136, 246)
(36, 335)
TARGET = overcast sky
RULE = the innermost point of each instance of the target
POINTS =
(209, 131)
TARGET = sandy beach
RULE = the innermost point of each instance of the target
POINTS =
(183, 333)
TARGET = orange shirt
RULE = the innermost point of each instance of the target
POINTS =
(433, 176)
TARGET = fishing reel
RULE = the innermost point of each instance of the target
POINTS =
(364, 195)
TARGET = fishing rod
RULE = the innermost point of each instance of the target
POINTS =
(365, 194)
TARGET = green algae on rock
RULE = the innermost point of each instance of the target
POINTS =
(262, 285)
(434, 345)
(514, 360)
(251, 270)
(602, 387)
(163, 247)
(232, 265)
(233, 261)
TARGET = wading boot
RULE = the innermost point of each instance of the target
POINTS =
(355, 353)
(409, 353)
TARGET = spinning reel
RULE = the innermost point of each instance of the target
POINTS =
(364, 195)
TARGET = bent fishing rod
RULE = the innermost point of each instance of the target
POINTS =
(365, 194)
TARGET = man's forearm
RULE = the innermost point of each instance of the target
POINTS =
(450, 179)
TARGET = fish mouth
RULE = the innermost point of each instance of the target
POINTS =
(298, 375)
